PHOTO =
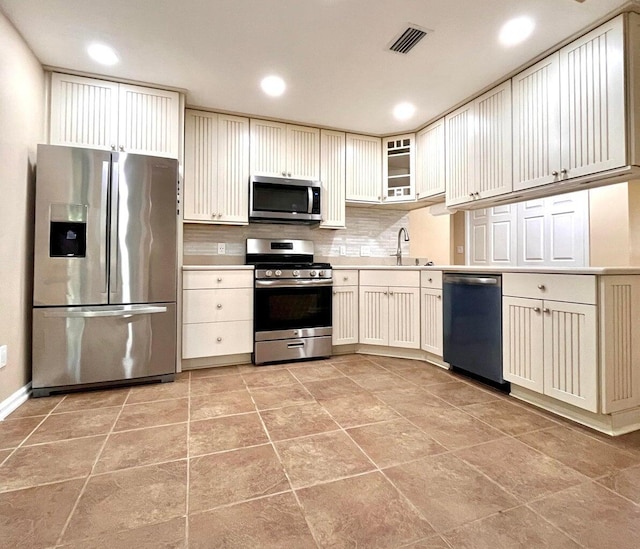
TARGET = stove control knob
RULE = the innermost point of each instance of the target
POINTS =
(313, 273)
(296, 273)
(322, 273)
(278, 272)
(269, 273)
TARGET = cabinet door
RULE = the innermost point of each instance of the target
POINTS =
(200, 166)
(493, 146)
(404, 317)
(570, 353)
(593, 101)
(460, 156)
(364, 170)
(345, 315)
(536, 124)
(233, 170)
(522, 347)
(84, 112)
(619, 344)
(149, 121)
(430, 159)
(398, 168)
(374, 315)
(431, 320)
(332, 175)
(268, 148)
(303, 152)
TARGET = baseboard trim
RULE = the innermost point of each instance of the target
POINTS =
(10, 403)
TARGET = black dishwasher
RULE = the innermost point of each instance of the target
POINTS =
(472, 314)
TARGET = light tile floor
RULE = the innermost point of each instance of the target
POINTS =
(354, 451)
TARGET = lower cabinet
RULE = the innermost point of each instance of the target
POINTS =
(390, 314)
(217, 313)
(431, 311)
(345, 307)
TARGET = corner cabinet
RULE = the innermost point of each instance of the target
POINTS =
(345, 307)
(216, 168)
(390, 308)
(332, 176)
(285, 150)
(569, 110)
(398, 168)
(430, 161)
(87, 112)
(364, 169)
(479, 148)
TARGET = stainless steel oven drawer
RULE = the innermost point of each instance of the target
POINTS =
(292, 349)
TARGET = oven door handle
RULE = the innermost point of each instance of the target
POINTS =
(294, 283)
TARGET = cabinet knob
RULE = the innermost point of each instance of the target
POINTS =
(390, 293)
(554, 173)
(219, 306)
(335, 293)
(545, 310)
(379, 198)
(219, 279)
(536, 309)
(219, 339)
(345, 278)
(121, 148)
(541, 287)
(288, 174)
(477, 195)
(213, 215)
(564, 171)
(113, 147)
(430, 279)
(439, 296)
(385, 293)
(471, 195)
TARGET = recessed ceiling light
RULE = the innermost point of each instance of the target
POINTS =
(273, 86)
(103, 54)
(516, 30)
(404, 111)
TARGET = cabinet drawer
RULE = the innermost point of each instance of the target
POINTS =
(217, 338)
(345, 278)
(431, 279)
(195, 280)
(390, 278)
(556, 287)
(217, 305)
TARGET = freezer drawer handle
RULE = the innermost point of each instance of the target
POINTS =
(109, 312)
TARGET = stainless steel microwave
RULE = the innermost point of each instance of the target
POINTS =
(284, 200)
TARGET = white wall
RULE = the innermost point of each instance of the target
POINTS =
(21, 128)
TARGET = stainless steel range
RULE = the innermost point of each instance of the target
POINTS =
(292, 301)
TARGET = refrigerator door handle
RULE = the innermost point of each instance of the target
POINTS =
(95, 312)
(115, 222)
(104, 227)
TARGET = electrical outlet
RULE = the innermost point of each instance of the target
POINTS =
(460, 249)
(3, 356)
(222, 248)
(343, 250)
(365, 251)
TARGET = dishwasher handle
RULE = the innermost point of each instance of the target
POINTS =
(473, 280)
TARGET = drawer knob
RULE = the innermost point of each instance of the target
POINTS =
(345, 278)
(541, 287)
(219, 339)
(536, 309)
(545, 310)
(431, 280)
(390, 293)
(219, 306)
(335, 293)
(219, 279)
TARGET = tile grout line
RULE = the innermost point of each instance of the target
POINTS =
(89, 476)
(557, 528)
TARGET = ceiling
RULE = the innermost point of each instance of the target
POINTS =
(332, 53)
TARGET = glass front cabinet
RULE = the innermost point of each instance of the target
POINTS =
(398, 168)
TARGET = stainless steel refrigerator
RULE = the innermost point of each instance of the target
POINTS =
(105, 280)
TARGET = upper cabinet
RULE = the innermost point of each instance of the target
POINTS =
(86, 112)
(569, 110)
(430, 160)
(478, 154)
(364, 175)
(216, 168)
(398, 168)
(332, 176)
(284, 150)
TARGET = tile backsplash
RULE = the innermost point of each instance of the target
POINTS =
(375, 228)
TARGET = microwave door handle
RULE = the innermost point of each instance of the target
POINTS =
(310, 197)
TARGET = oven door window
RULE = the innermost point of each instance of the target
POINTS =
(280, 198)
(292, 308)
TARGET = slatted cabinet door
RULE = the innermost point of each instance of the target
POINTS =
(148, 121)
(404, 317)
(522, 342)
(200, 166)
(593, 101)
(345, 315)
(364, 168)
(268, 148)
(460, 158)
(570, 353)
(374, 315)
(84, 112)
(431, 320)
(303, 152)
(232, 203)
(430, 160)
(332, 176)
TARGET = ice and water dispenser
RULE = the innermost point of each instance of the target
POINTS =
(68, 230)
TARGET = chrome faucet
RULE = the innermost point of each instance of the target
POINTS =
(398, 253)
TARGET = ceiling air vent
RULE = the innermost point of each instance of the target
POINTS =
(405, 42)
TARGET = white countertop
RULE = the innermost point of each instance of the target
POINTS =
(498, 269)
(217, 267)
